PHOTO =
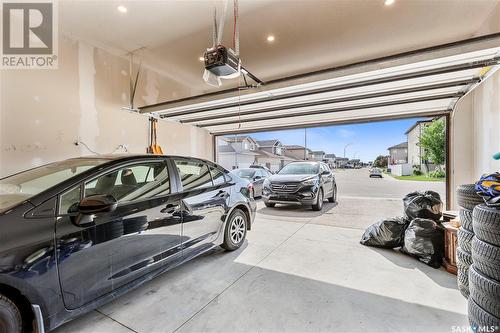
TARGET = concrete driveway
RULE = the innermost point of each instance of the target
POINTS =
(299, 271)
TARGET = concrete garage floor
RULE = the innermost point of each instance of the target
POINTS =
(299, 271)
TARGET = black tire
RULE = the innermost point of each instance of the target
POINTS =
(466, 219)
(10, 316)
(486, 223)
(465, 239)
(236, 223)
(270, 205)
(484, 291)
(463, 281)
(467, 197)
(478, 317)
(463, 258)
(319, 202)
(486, 258)
(333, 198)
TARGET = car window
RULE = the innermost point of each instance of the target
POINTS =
(194, 174)
(24, 185)
(68, 201)
(217, 176)
(133, 182)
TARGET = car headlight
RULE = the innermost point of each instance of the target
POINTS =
(309, 182)
(266, 183)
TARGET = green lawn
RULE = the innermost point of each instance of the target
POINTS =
(422, 178)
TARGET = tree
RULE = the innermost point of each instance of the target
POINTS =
(433, 142)
(380, 161)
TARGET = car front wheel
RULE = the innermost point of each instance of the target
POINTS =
(235, 231)
(333, 198)
(319, 203)
(10, 317)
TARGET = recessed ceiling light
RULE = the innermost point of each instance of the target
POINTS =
(389, 2)
(270, 38)
(201, 58)
(122, 9)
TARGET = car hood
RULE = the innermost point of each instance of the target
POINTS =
(290, 178)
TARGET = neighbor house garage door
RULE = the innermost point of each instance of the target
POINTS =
(424, 83)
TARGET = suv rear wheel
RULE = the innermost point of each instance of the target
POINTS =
(10, 316)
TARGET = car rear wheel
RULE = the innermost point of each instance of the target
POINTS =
(235, 231)
(319, 203)
(10, 317)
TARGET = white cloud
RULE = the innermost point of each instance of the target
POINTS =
(344, 133)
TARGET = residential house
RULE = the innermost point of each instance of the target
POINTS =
(237, 152)
(318, 155)
(341, 162)
(398, 153)
(330, 160)
(298, 152)
(271, 154)
(415, 152)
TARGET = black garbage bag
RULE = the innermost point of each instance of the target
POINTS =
(387, 233)
(424, 205)
(424, 239)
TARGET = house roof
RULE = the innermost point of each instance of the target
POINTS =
(416, 124)
(268, 154)
(238, 138)
(315, 152)
(293, 147)
(330, 156)
(399, 146)
(227, 149)
(267, 143)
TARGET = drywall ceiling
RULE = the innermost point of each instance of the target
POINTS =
(310, 35)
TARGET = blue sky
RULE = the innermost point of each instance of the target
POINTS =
(368, 140)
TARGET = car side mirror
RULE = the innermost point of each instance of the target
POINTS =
(97, 204)
(325, 173)
(257, 177)
(92, 205)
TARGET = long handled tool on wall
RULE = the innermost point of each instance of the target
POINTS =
(154, 148)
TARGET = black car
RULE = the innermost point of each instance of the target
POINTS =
(255, 176)
(78, 233)
(306, 183)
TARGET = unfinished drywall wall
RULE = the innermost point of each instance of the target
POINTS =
(43, 112)
(476, 134)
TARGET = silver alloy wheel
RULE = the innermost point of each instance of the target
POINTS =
(320, 198)
(237, 229)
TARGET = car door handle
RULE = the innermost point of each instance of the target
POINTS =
(170, 209)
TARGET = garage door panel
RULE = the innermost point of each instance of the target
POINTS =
(372, 113)
(286, 112)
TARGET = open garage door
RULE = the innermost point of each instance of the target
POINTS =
(423, 83)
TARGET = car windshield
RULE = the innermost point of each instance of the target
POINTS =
(300, 169)
(244, 173)
(24, 185)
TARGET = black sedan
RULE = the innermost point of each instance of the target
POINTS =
(306, 183)
(78, 233)
(255, 176)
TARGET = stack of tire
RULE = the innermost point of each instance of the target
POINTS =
(467, 199)
(484, 274)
